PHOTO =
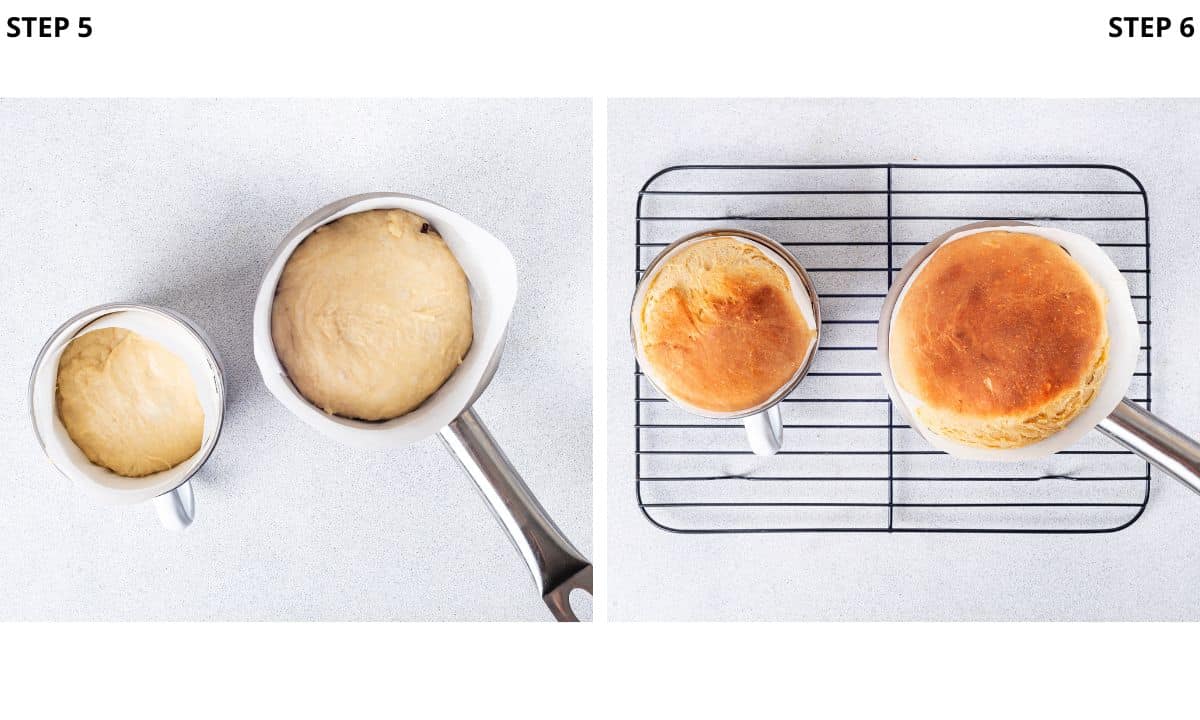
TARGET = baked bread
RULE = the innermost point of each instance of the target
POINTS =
(372, 314)
(128, 403)
(720, 326)
(1000, 340)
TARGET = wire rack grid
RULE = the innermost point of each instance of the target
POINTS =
(849, 463)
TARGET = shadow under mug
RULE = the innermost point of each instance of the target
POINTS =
(764, 422)
(169, 490)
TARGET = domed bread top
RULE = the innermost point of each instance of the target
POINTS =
(720, 326)
(1001, 339)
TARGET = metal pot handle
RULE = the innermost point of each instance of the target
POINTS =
(557, 567)
(764, 430)
(177, 508)
(1165, 447)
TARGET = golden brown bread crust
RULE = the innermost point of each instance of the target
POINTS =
(1001, 338)
(720, 327)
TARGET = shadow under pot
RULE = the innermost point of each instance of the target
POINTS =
(158, 331)
(725, 324)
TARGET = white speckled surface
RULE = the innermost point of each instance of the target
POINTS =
(180, 203)
(1148, 571)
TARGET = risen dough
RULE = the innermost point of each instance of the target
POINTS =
(128, 403)
(371, 314)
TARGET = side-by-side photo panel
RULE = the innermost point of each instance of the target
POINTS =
(289, 360)
(902, 360)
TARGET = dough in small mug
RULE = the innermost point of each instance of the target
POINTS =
(128, 403)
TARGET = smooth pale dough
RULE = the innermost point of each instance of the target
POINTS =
(128, 403)
(372, 313)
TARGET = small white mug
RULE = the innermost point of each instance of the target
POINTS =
(169, 490)
(764, 423)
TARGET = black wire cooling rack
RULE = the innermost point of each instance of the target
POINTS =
(848, 462)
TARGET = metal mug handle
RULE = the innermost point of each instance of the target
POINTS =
(764, 430)
(1165, 447)
(177, 508)
(557, 567)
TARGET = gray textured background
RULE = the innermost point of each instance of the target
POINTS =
(1149, 571)
(180, 203)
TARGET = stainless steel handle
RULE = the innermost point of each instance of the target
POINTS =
(557, 567)
(177, 508)
(1165, 447)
